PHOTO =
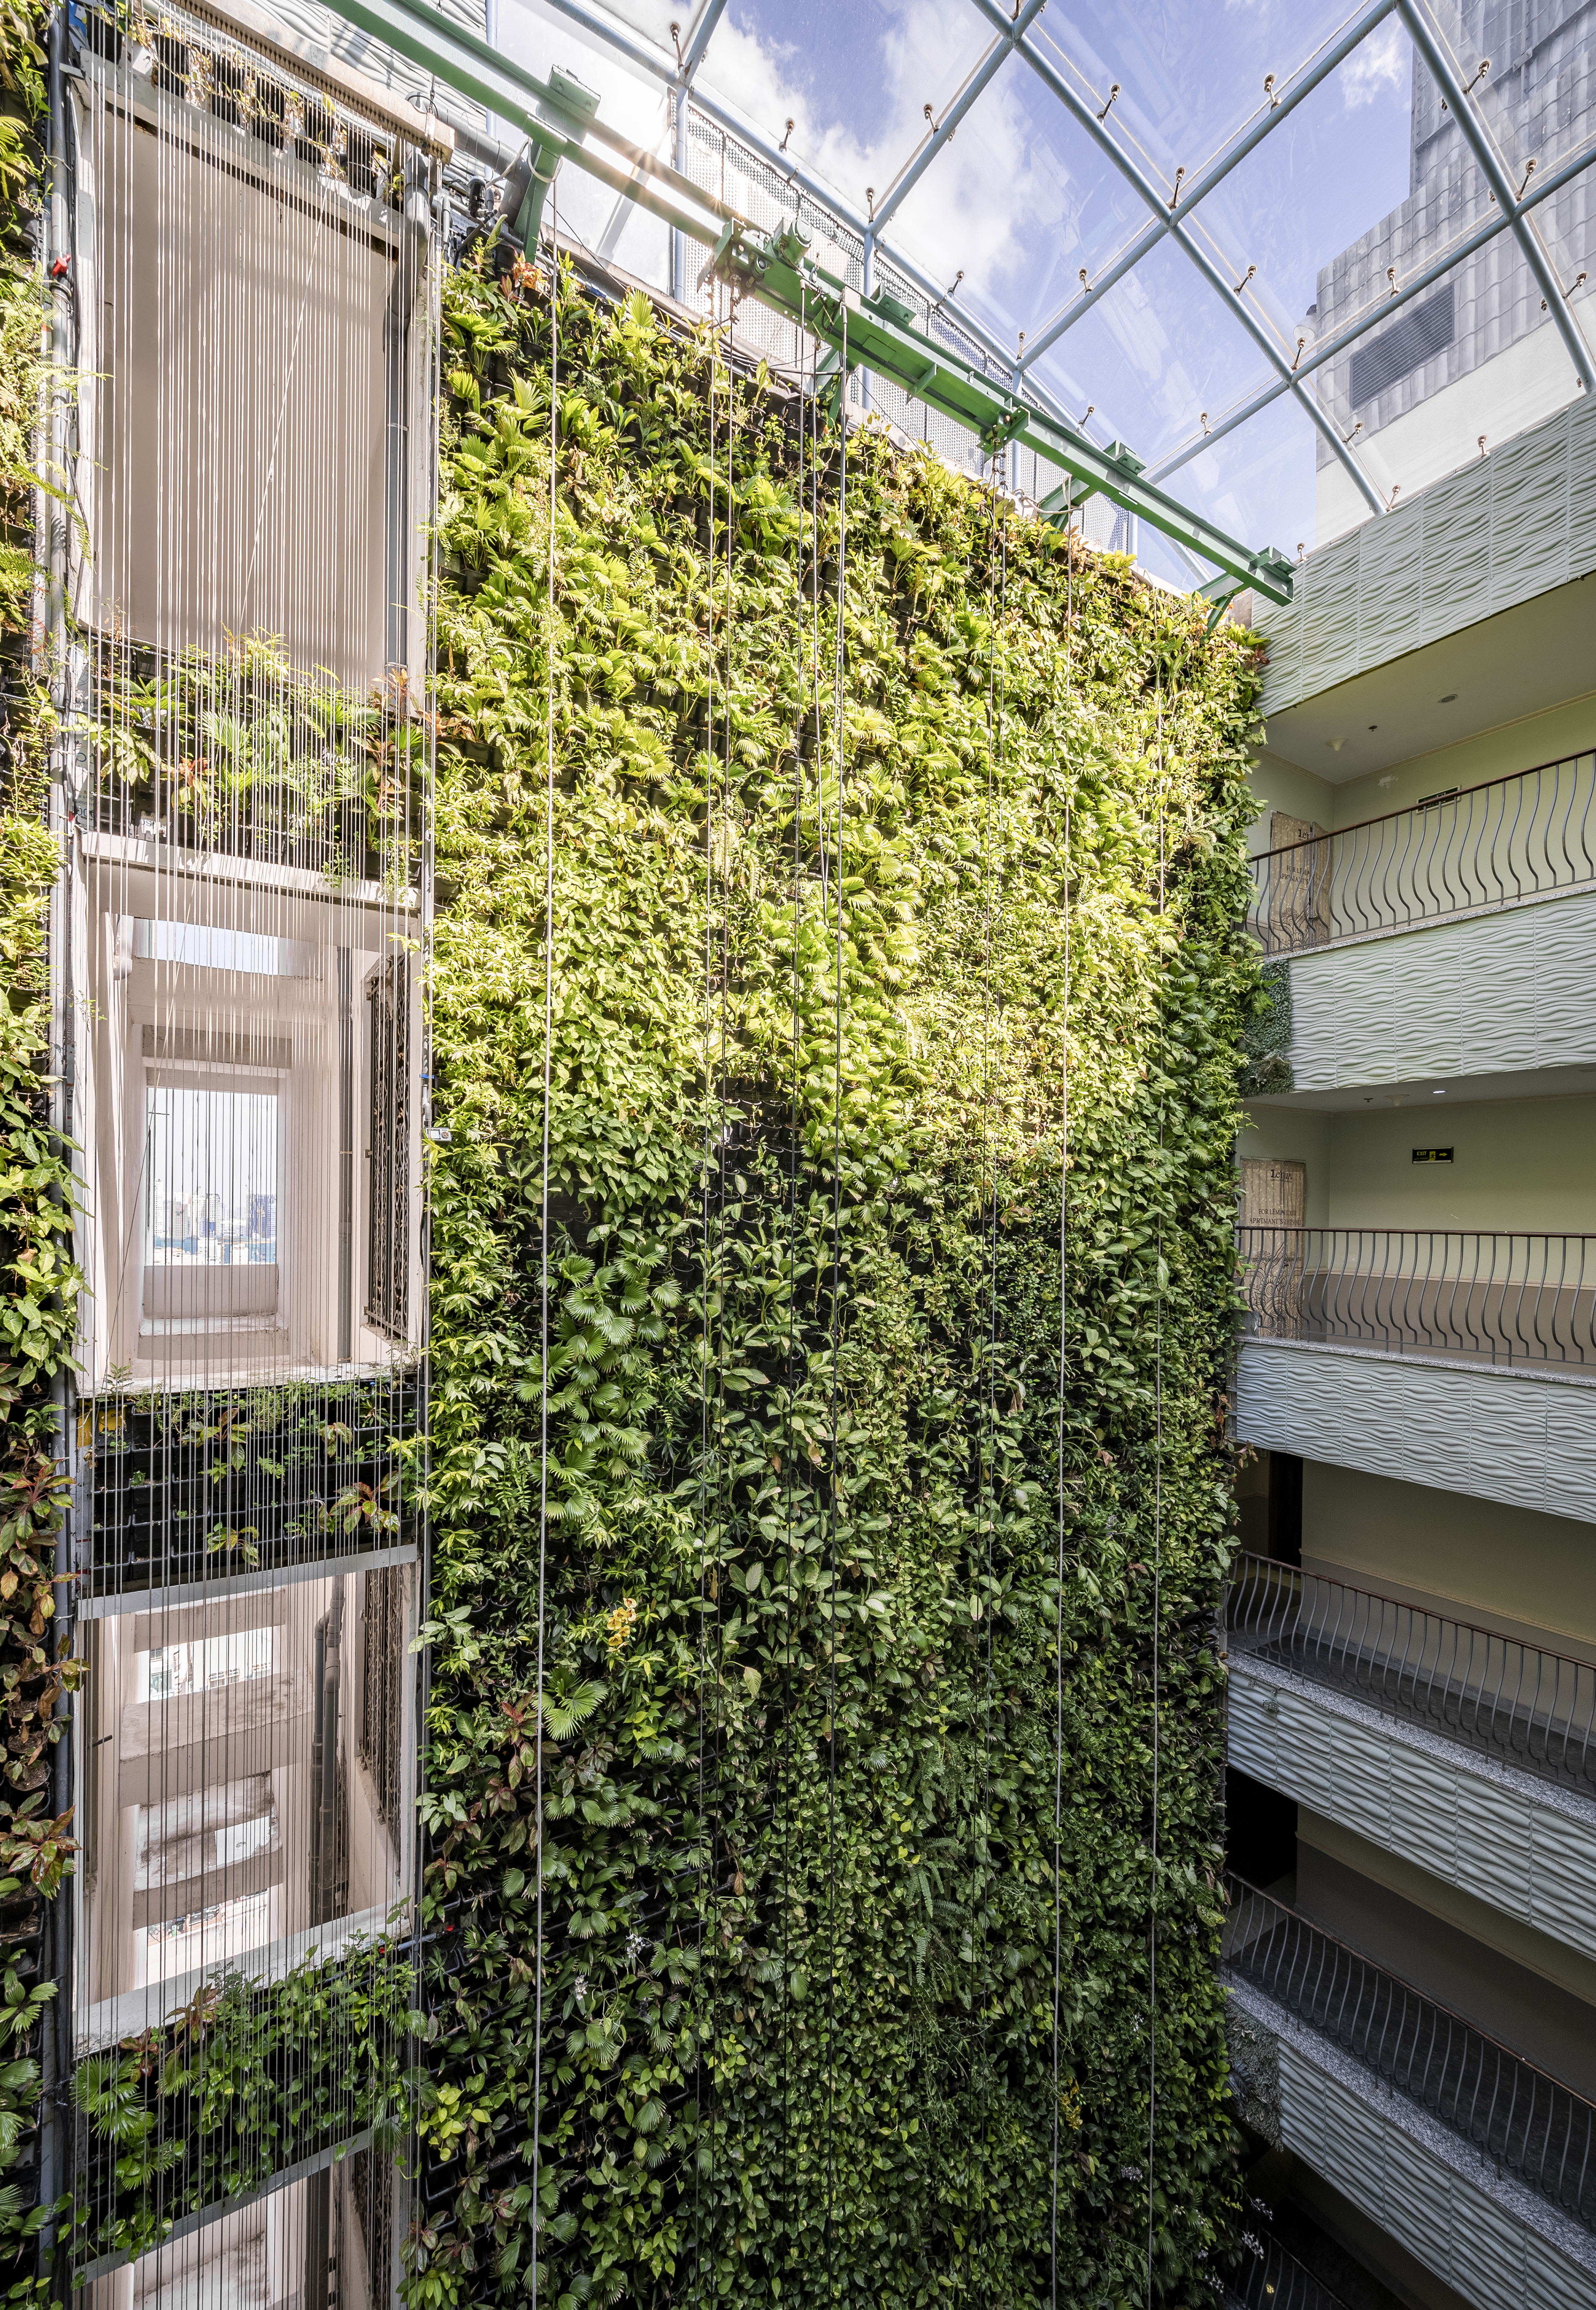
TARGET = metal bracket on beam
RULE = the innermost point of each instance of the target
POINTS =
(777, 269)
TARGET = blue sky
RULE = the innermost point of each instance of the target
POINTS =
(1021, 199)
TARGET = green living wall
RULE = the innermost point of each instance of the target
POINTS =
(831, 933)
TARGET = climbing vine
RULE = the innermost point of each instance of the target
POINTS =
(38, 1283)
(831, 924)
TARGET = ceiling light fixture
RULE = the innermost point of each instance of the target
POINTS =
(1449, 699)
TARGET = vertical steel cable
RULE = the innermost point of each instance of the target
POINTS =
(1152, 1943)
(1064, 1311)
(789, 1441)
(537, 2045)
(838, 705)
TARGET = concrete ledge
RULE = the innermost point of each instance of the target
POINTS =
(1524, 1846)
(1482, 2231)
(1520, 1435)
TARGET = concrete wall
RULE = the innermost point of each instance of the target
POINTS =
(1515, 1165)
(1561, 732)
(1517, 1570)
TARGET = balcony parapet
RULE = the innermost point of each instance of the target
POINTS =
(1528, 1709)
(1469, 851)
(1480, 2164)
(1270, 2279)
(1524, 1847)
(1465, 1296)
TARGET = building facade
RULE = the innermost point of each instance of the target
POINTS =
(1473, 360)
(1412, 1639)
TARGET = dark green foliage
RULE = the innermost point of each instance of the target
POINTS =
(1266, 1034)
(806, 1636)
(245, 2083)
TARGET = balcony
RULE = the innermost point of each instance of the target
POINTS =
(1473, 850)
(1270, 2279)
(1458, 1359)
(1479, 2164)
(1455, 938)
(1468, 1754)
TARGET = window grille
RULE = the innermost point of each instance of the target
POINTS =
(1420, 332)
(387, 1268)
(371, 2187)
(382, 1690)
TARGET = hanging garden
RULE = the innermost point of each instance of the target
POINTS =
(837, 995)
(837, 990)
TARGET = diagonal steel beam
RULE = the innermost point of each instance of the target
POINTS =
(1445, 73)
(1350, 331)
(698, 39)
(1319, 68)
(1080, 111)
(692, 57)
(925, 152)
(658, 66)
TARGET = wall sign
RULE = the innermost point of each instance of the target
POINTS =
(1431, 1154)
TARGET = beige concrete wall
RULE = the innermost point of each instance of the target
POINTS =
(1522, 1164)
(1561, 732)
(1293, 1135)
(1516, 1164)
(1515, 1570)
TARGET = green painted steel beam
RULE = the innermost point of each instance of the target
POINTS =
(877, 333)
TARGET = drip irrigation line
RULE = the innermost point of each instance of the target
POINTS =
(838, 697)
(537, 2044)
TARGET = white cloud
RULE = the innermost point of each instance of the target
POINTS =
(963, 211)
(1379, 68)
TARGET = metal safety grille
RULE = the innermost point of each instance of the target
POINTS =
(387, 1289)
(1420, 333)
(1471, 850)
(382, 1691)
(1523, 2119)
(1516, 1701)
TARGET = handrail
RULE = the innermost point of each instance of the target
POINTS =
(1512, 1297)
(1466, 850)
(1530, 1707)
(1521, 2117)
(1268, 2278)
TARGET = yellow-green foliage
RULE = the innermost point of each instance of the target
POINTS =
(827, 949)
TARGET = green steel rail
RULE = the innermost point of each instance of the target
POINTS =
(877, 333)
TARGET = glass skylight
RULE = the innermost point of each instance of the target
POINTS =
(1252, 237)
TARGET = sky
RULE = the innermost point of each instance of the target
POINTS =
(1021, 199)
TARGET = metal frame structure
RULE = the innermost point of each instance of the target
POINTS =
(874, 330)
(1015, 26)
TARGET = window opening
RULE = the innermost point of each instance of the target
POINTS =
(1417, 337)
(388, 1264)
(212, 1165)
(203, 946)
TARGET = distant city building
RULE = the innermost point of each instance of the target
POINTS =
(1475, 353)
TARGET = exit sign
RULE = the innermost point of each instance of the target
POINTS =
(1431, 1154)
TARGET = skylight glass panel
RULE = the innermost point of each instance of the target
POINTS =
(1189, 78)
(853, 80)
(1156, 353)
